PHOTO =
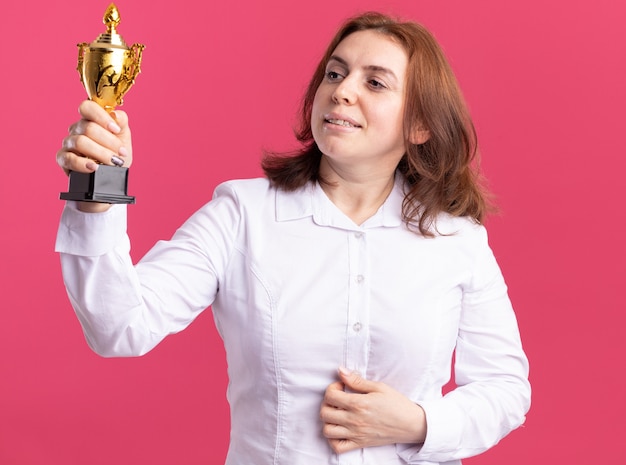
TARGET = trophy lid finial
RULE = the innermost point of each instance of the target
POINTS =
(111, 18)
(110, 38)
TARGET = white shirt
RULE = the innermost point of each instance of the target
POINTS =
(297, 290)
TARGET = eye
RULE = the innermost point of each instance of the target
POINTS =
(333, 75)
(376, 84)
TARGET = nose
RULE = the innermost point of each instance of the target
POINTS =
(345, 92)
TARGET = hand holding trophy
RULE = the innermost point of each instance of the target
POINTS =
(107, 68)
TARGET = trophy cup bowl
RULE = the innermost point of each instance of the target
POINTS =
(107, 68)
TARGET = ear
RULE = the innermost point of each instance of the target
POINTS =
(419, 135)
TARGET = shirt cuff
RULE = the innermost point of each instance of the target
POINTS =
(442, 436)
(90, 234)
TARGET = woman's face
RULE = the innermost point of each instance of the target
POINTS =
(357, 114)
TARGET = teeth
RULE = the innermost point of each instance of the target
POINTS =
(341, 122)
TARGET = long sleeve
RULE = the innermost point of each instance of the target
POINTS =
(491, 372)
(126, 310)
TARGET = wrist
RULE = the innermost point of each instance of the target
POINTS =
(421, 427)
(93, 207)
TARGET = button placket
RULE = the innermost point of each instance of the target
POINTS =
(357, 333)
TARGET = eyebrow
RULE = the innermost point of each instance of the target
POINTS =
(381, 69)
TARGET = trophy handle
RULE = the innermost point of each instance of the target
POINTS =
(82, 49)
(132, 67)
(135, 55)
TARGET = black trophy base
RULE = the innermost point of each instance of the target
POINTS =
(108, 184)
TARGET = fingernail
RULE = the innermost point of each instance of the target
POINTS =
(117, 161)
(344, 371)
(91, 166)
(114, 127)
(122, 152)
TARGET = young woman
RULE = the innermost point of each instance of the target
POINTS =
(341, 283)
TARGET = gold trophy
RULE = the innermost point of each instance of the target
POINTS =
(107, 68)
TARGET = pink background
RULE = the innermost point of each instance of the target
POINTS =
(545, 83)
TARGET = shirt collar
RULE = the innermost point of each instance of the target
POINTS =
(311, 201)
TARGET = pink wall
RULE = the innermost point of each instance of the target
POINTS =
(545, 83)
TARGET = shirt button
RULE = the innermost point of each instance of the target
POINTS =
(358, 235)
(357, 327)
(360, 278)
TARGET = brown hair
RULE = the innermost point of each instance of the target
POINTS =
(442, 172)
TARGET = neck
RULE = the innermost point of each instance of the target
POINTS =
(358, 193)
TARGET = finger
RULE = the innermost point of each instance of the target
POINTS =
(91, 111)
(115, 142)
(335, 396)
(71, 162)
(331, 431)
(335, 386)
(115, 122)
(356, 383)
(108, 124)
(120, 117)
(333, 416)
(84, 146)
(97, 133)
(341, 446)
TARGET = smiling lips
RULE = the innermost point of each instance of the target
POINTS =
(341, 121)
